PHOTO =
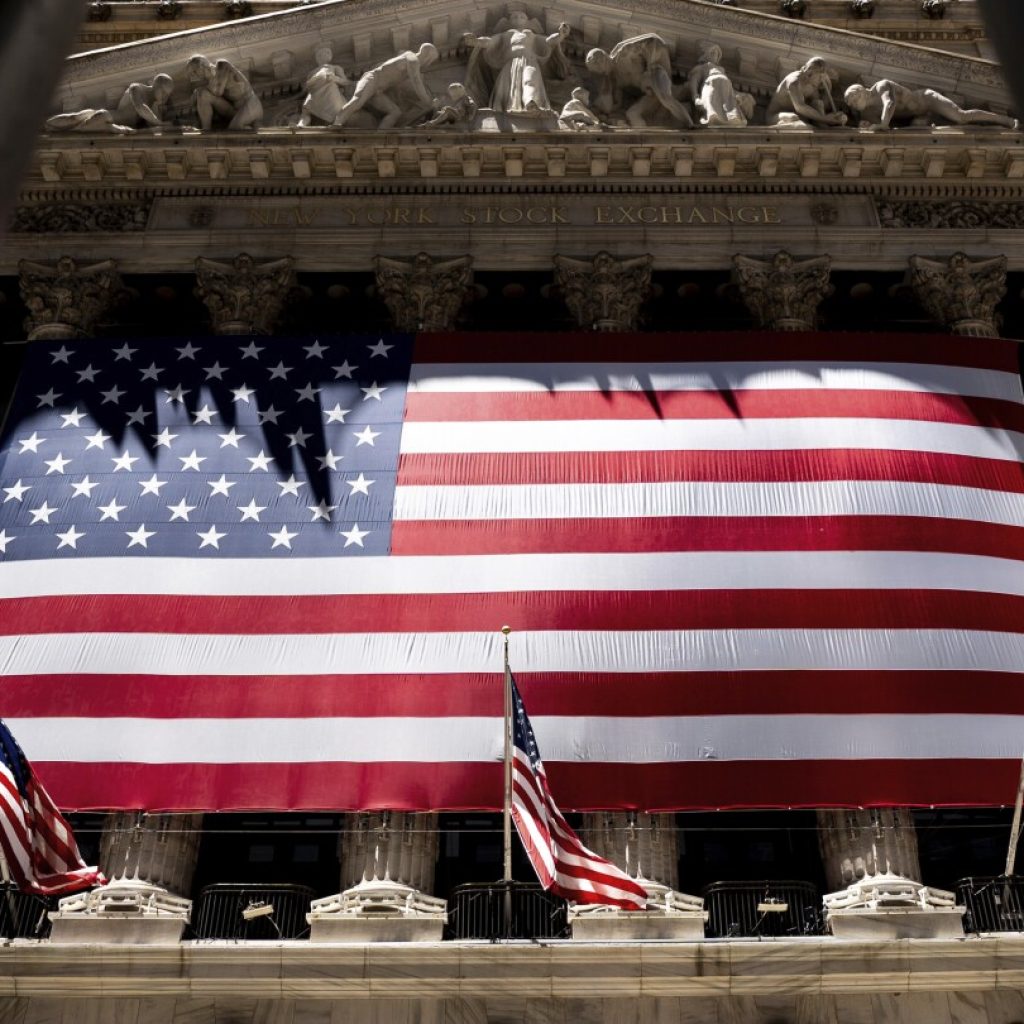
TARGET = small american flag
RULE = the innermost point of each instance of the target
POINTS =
(563, 864)
(37, 842)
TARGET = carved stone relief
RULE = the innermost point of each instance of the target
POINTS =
(423, 293)
(68, 218)
(245, 296)
(960, 292)
(783, 293)
(604, 293)
(66, 299)
(888, 103)
(956, 214)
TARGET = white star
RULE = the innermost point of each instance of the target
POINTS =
(31, 444)
(261, 461)
(221, 486)
(354, 536)
(151, 486)
(61, 355)
(204, 415)
(97, 440)
(232, 437)
(251, 351)
(268, 415)
(373, 391)
(298, 439)
(366, 436)
(71, 419)
(124, 461)
(56, 464)
(188, 352)
(191, 461)
(242, 394)
(69, 538)
(290, 486)
(49, 398)
(283, 537)
(175, 394)
(88, 374)
(42, 514)
(315, 351)
(345, 370)
(124, 352)
(113, 395)
(215, 371)
(322, 511)
(308, 393)
(140, 536)
(251, 511)
(280, 372)
(337, 414)
(111, 511)
(211, 538)
(152, 372)
(165, 437)
(380, 349)
(181, 510)
(361, 485)
(329, 460)
(16, 492)
(139, 416)
(84, 488)
(4, 541)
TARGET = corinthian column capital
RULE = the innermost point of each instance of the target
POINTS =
(245, 296)
(65, 298)
(604, 293)
(424, 293)
(960, 293)
(783, 293)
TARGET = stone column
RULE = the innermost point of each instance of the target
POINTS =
(606, 292)
(66, 299)
(149, 861)
(244, 296)
(783, 293)
(646, 847)
(424, 293)
(387, 869)
(870, 859)
(960, 293)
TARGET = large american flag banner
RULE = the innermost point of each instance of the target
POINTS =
(740, 570)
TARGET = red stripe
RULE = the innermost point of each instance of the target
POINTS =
(741, 404)
(333, 786)
(752, 346)
(825, 692)
(713, 467)
(700, 533)
(532, 610)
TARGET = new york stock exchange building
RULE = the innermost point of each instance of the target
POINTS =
(674, 336)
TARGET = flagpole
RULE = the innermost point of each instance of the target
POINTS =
(1011, 853)
(507, 802)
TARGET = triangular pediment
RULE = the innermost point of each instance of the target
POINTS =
(276, 51)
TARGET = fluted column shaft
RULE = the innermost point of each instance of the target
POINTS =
(645, 846)
(159, 849)
(390, 846)
(858, 845)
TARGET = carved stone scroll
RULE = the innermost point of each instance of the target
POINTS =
(783, 293)
(959, 292)
(65, 299)
(423, 293)
(606, 292)
(243, 296)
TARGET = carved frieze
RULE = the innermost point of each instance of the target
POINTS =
(955, 214)
(65, 299)
(69, 218)
(604, 293)
(960, 292)
(783, 293)
(423, 293)
(244, 296)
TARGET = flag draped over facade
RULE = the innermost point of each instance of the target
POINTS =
(742, 570)
(38, 845)
(563, 864)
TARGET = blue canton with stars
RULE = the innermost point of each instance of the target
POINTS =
(211, 447)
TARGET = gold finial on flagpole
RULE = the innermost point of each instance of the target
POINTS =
(506, 630)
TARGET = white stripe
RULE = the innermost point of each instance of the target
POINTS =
(480, 574)
(505, 436)
(708, 650)
(477, 740)
(762, 376)
(679, 498)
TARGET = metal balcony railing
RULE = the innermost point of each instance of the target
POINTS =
(478, 911)
(762, 909)
(994, 904)
(251, 913)
(23, 916)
